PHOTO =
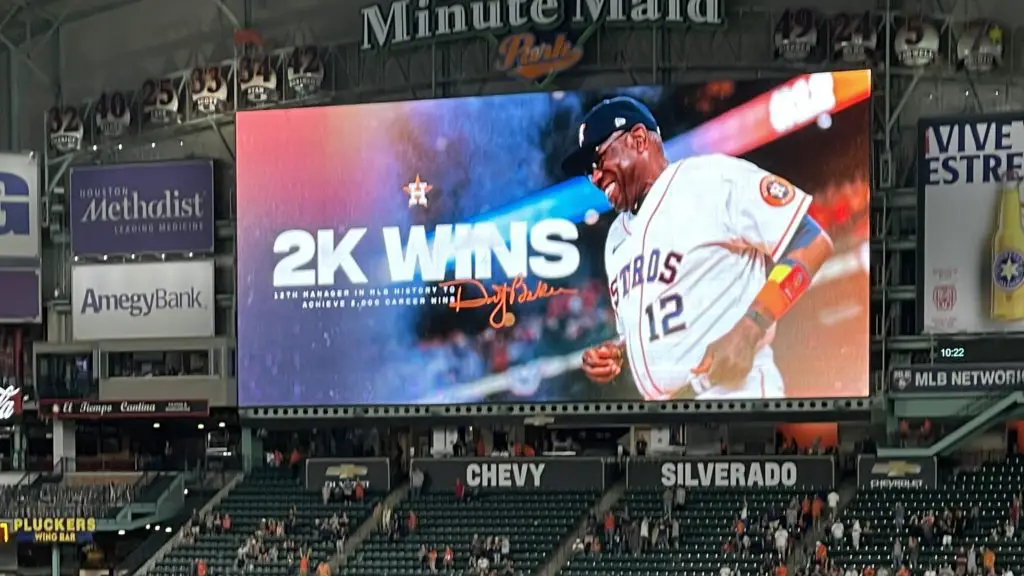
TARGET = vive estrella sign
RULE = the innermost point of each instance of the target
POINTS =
(70, 530)
(534, 39)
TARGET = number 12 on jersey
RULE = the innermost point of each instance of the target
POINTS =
(664, 316)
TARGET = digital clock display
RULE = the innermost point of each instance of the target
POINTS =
(982, 350)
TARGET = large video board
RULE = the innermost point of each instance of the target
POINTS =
(436, 252)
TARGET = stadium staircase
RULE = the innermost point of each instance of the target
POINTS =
(992, 409)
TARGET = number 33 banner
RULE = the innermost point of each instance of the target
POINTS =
(446, 255)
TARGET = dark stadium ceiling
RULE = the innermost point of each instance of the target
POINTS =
(23, 20)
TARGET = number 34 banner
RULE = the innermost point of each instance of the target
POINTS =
(454, 258)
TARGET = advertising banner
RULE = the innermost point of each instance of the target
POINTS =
(734, 472)
(934, 378)
(150, 208)
(151, 300)
(502, 474)
(874, 472)
(19, 209)
(460, 263)
(970, 232)
(108, 409)
(70, 530)
(11, 403)
(373, 473)
(21, 300)
(20, 239)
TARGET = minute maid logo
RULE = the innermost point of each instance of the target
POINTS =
(533, 39)
(54, 530)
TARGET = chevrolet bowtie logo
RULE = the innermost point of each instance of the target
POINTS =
(346, 471)
(896, 469)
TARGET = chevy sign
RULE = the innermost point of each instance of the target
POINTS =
(151, 300)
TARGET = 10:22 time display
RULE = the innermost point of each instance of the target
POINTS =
(984, 350)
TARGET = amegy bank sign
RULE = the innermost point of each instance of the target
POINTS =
(497, 474)
(733, 472)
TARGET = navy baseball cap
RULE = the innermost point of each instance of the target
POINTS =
(603, 120)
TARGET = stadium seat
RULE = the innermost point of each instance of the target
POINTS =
(706, 521)
(534, 522)
(991, 488)
(265, 494)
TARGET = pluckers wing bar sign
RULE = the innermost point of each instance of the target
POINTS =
(69, 530)
(534, 39)
(103, 409)
(733, 472)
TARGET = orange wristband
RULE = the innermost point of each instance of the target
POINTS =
(787, 281)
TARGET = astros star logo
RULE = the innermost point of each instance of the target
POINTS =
(417, 191)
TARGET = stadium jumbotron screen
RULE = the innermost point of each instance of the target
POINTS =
(706, 241)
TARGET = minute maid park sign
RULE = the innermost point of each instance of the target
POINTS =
(532, 36)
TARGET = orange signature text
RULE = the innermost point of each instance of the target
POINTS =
(473, 294)
(521, 55)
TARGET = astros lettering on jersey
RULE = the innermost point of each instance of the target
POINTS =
(684, 269)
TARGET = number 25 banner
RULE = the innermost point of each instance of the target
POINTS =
(474, 249)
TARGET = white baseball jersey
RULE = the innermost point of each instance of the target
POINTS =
(685, 269)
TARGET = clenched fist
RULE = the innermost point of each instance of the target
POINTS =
(603, 362)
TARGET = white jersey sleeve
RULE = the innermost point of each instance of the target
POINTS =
(762, 210)
(617, 233)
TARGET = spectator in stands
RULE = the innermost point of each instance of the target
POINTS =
(837, 531)
(897, 553)
(609, 526)
(680, 497)
(817, 507)
(416, 482)
(295, 462)
(792, 514)
(667, 499)
(674, 527)
(645, 534)
(460, 489)
(833, 504)
(988, 560)
(782, 542)
(914, 545)
(449, 558)
(972, 560)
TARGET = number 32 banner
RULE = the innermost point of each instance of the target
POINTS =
(436, 252)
